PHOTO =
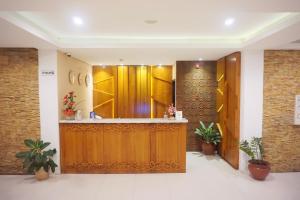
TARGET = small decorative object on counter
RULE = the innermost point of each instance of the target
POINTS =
(209, 138)
(38, 160)
(171, 111)
(78, 115)
(92, 115)
(69, 104)
(178, 115)
(258, 167)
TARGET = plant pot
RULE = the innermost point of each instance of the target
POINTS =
(259, 170)
(71, 117)
(208, 148)
(41, 174)
(200, 144)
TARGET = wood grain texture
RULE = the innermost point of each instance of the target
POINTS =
(228, 95)
(161, 90)
(123, 148)
(132, 91)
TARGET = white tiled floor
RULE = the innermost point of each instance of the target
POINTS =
(206, 178)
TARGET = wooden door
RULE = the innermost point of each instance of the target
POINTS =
(104, 91)
(221, 104)
(161, 90)
(228, 95)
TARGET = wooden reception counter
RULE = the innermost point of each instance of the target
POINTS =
(123, 146)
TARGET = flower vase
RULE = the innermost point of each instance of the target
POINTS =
(70, 117)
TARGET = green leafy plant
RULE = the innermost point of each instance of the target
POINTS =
(208, 134)
(254, 149)
(37, 157)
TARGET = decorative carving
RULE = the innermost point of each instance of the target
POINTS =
(123, 148)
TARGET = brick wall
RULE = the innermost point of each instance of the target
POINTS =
(196, 95)
(19, 104)
(281, 83)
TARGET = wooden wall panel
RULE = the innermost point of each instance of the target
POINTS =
(228, 95)
(122, 148)
(132, 91)
(105, 91)
(161, 90)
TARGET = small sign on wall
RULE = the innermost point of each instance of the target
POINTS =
(297, 110)
(46, 72)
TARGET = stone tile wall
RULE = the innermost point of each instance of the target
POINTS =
(19, 104)
(281, 83)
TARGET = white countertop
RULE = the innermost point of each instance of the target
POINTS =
(124, 121)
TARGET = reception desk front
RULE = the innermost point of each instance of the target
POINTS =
(123, 146)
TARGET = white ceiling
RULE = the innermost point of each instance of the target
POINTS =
(186, 30)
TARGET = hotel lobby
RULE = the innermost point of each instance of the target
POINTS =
(140, 100)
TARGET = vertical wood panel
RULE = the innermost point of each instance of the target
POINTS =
(229, 116)
(122, 148)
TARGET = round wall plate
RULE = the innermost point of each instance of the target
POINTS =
(71, 77)
(80, 78)
(87, 80)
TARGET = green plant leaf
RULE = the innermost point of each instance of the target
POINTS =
(44, 145)
(23, 154)
(29, 143)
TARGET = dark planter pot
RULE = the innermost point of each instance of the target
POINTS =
(200, 144)
(259, 170)
(208, 148)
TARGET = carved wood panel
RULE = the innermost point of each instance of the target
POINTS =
(123, 148)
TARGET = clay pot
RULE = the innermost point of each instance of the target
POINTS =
(200, 144)
(259, 170)
(41, 174)
(208, 148)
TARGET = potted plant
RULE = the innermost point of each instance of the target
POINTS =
(172, 111)
(258, 167)
(210, 138)
(37, 160)
(69, 106)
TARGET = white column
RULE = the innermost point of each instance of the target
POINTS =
(48, 96)
(251, 115)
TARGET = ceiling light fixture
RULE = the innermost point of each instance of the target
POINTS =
(229, 21)
(200, 59)
(77, 21)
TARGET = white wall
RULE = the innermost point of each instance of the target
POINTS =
(49, 101)
(251, 116)
(84, 94)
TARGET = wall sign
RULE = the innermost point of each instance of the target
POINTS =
(47, 72)
(297, 110)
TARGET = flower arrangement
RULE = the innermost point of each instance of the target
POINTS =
(69, 104)
(171, 110)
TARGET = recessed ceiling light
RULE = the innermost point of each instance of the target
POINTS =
(229, 21)
(150, 21)
(77, 21)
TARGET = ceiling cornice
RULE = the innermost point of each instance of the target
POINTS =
(150, 42)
